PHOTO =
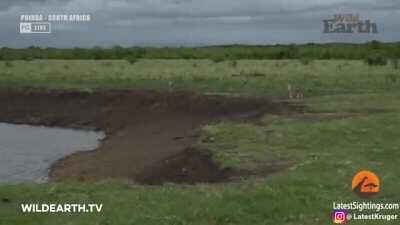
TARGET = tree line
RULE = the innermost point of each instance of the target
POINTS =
(215, 53)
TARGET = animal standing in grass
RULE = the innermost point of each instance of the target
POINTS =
(295, 92)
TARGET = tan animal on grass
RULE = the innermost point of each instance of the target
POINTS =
(170, 86)
(295, 92)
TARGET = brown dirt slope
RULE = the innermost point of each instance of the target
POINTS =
(149, 133)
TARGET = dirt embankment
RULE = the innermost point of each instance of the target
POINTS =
(149, 134)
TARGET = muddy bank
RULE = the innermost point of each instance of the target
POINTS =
(148, 133)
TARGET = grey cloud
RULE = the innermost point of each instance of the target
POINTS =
(6, 4)
(193, 22)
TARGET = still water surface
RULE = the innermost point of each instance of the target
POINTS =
(27, 152)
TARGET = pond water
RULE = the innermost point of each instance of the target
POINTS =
(27, 152)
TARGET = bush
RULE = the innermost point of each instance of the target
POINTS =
(217, 59)
(375, 60)
(306, 61)
(28, 58)
(234, 64)
(326, 55)
(8, 64)
(131, 60)
(395, 63)
(391, 78)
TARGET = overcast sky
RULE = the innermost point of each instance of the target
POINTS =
(194, 22)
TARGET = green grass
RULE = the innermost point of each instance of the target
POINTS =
(352, 124)
(317, 78)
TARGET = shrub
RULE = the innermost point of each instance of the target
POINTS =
(391, 78)
(131, 60)
(375, 44)
(326, 55)
(306, 61)
(28, 58)
(217, 59)
(395, 63)
(8, 64)
(234, 63)
(375, 60)
(256, 74)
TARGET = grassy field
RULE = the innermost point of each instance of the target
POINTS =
(351, 123)
(267, 77)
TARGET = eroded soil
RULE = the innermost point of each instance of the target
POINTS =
(149, 134)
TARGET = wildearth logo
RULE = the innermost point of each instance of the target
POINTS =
(349, 24)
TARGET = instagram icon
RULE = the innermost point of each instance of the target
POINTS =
(339, 217)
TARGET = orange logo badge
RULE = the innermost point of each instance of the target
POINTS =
(366, 184)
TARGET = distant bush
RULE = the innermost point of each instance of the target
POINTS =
(375, 44)
(395, 63)
(234, 63)
(28, 58)
(131, 60)
(306, 61)
(256, 74)
(326, 55)
(8, 64)
(376, 60)
(391, 78)
(218, 59)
